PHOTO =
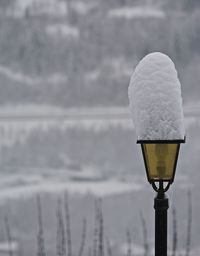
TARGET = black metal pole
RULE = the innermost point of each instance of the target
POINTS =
(161, 205)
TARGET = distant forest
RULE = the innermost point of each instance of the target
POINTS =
(85, 55)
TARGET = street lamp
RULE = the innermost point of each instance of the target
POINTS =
(156, 107)
(160, 159)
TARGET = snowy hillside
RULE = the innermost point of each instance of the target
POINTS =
(81, 53)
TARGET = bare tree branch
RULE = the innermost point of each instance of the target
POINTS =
(145, 235)
(109, 249)
(40, 236)
(189, 225)
(61, 242)
(129, 244)
(8, 234)
(83, 237)
(101, 229)
(68, 226)
(96, 230)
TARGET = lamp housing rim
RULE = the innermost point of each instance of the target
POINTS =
(161, 141)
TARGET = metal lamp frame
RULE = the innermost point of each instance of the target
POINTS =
(153, 181)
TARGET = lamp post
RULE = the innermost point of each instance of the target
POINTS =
(156, 107)
(160, 159)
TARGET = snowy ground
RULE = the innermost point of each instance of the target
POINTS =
(22, 186)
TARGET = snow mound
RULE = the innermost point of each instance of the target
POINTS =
(62, 30)
(155, 99)
(141, 12)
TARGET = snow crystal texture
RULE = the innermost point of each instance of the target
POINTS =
(155, 99)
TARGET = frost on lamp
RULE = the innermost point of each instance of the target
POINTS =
(156, 109)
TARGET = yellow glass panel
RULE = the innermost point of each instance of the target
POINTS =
(160, 160)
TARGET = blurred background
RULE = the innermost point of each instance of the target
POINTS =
(65, 67)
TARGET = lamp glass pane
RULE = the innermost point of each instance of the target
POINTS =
(160, 160)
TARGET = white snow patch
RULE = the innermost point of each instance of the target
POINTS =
(93, 75)
(136, 248)
(24, 3)
(27, 187)
(114, 68)
(155, 99)
(53, 79)
(117, 67)
(38, 7)
(82, 8)
(7, 248)
(62, 30)
(30, 80)
(130, 12)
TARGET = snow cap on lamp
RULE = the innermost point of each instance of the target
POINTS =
(155, 99)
